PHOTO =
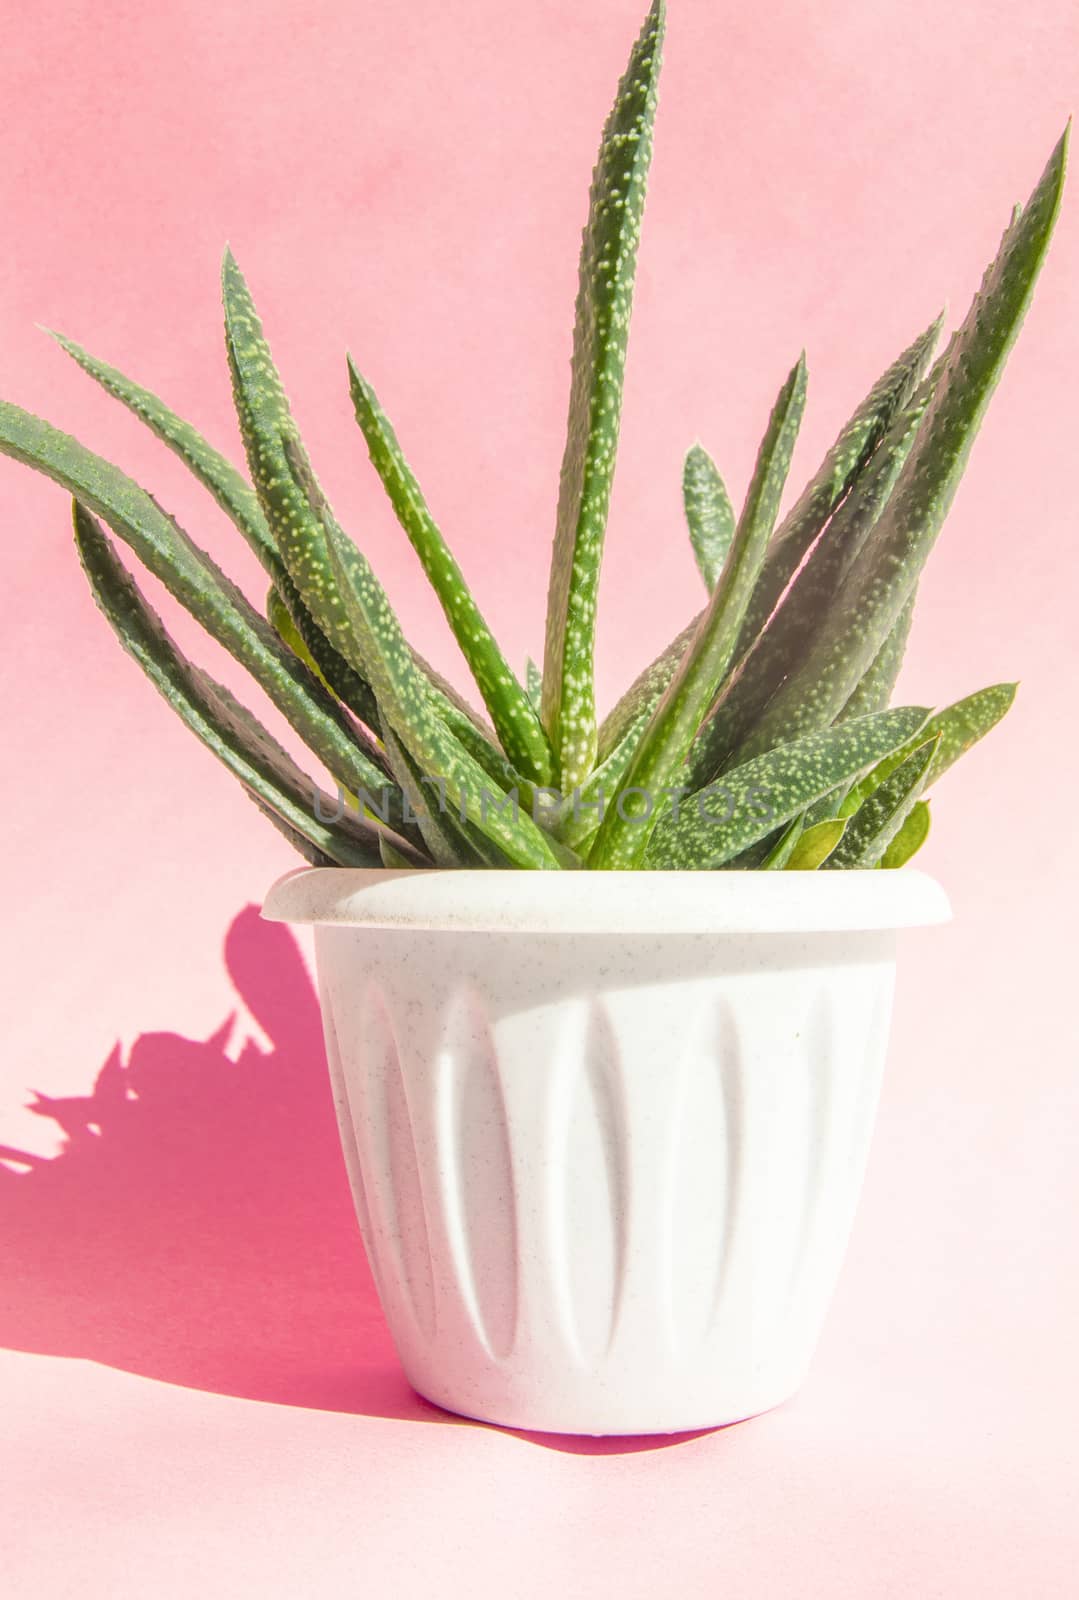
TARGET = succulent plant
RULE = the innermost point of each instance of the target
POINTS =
(760, 739)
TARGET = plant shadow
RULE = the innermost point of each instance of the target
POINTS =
(196, 1227)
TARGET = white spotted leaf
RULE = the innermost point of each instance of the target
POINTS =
(515, 719)
(604, 303)
(658, 759)
(709, 513)
(713, 826)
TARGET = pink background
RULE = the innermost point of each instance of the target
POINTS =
(200, 1395)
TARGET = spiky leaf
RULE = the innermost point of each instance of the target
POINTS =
(515, 719)
(872, 694)
(910, 838)
(958, 727)
(604, 300)
(878, 681)
(878, 820)
(839, 470)
(816, 844)
(280, 619)
(302, 845)
(236, 497)
(622, 839)
(533, 682)
(776, 651)
(392, 859)
(372, 634)
(715, 825)
(452, 842)
(961, 725)
(388, 803)
(337, 584)
(240, 503)
(447, 849)
(272, 443)
(709, 513)
(229, 487)
(235, 736)
(646, 691)
(584, 810)
(885, 572)
(776, 856)
(196, 582)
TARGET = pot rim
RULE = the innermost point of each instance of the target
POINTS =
(460, 900)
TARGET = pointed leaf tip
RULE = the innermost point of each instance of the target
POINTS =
(230, 268)
(515, 719)
(606, 275)
(1057, 165)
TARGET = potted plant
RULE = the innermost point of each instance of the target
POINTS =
(606, 1001)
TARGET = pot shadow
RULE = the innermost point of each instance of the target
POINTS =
(197, 1228)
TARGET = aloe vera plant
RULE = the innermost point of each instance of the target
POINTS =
(761, 739)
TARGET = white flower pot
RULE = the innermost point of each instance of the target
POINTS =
(606, 1132)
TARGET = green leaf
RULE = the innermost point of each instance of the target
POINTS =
(533, 682)
(465, 730)
(910, 838)
(878, 681)
(392, 859)
(310, 852)
(388, 804)
(604, 301)
(718, 823)
(754, 857)
(276, 455)
(384, 806)
(338, 586)
(583, 811)
(959, 728)
(816, 845)
(342, 680)
(371, 633)
(961, 725)
(886, 569)
(646, 691)
(516, 722)
(270, 440)
(238, 740)
(228, 486)
(776, 858)
(446, 845)
(871, 829)
(839, 470)
(776, 651)
(451, 841)
(709, 513)
(622, 840)
(429, 743)
(873, 693)
(196, 582)
(240, 503)
(280, 619)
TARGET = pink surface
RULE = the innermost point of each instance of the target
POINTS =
(200, 1394)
